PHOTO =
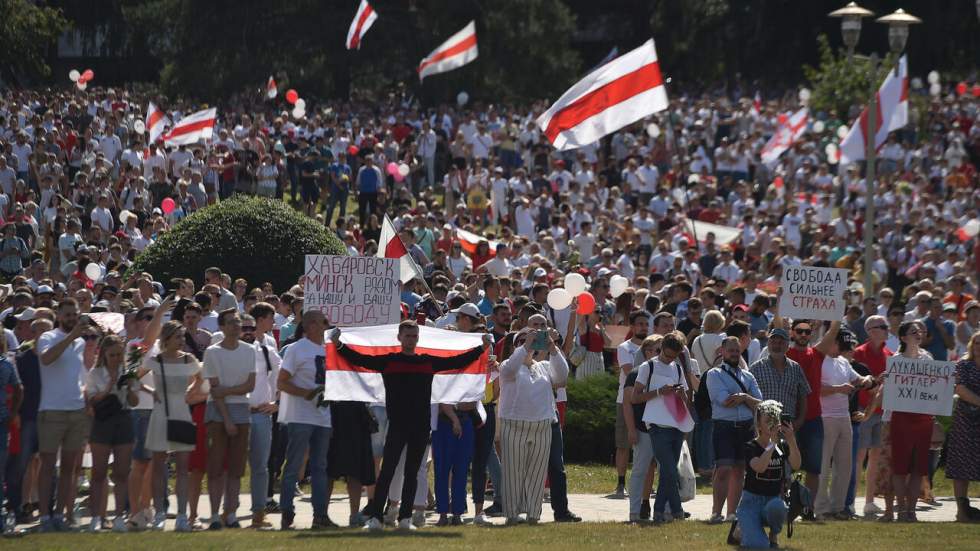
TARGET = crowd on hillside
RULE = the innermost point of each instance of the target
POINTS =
(82, 193)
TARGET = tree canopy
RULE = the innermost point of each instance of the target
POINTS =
(27, 31)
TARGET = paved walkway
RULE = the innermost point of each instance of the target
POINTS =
(591, 507)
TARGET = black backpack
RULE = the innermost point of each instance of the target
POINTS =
(702, 400)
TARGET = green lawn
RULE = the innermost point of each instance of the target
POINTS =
(865, 536)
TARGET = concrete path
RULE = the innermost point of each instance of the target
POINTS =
(591, 507)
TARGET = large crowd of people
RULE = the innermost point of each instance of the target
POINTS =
(215, 377)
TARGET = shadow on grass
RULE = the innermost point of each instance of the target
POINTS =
(335, 534)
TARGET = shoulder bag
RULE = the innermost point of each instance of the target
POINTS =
(182, 432)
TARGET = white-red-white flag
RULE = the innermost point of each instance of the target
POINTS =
(619, 93)
(892, 114)
(363, 20)
(390, 245)
(344, 380)
(786, 135)
(756, 105)
(193, 128)
(156, 122)
(469, 241)
(459, 50)
(271, 89)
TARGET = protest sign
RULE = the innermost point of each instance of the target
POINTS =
(919, 386)
(813, 293)
(352, 291)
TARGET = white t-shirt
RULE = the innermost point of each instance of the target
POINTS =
(61, 381)
(836, 371)
(526, 392)
(265, 374)
(305, 361)
(625, 354)
(230, 367)
(209, 322)
(663, 374)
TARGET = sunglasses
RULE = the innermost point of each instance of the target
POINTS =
(802, 331)
(89, 338)
(247, 328)
(883, 327)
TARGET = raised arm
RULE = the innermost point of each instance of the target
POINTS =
(508, 369)
(828, 339)
(374, 363)
(457, 362)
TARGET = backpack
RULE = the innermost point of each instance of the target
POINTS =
(702, 400)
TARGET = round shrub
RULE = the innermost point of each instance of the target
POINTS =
(255, 238)
(590, 420)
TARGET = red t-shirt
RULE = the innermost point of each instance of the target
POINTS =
(811, 362)
(875, 360)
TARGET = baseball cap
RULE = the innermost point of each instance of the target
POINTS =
(26, 315)
(540, 272)
(45, 290)
(779, 332)
(740, 307)
(468, 309)
(949, 307)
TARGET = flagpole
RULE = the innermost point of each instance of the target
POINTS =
(871, 138)
(418, 269)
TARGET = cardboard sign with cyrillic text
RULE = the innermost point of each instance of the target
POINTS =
(813, 293)
(352, 291)
(919, 386)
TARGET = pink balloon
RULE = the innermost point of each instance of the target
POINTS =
(397, 175)
(392, 168)
(168, 205)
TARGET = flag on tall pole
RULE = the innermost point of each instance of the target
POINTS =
(459, 50)
(192, 128)
(156, 122)
(363, 20)
(893, 114)
(390, 245)
(785, 136)
(271, 90)
(619, 93)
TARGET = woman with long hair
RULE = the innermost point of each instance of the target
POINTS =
(911, 433)
(963, 448)
(175, 377)
(111, 396)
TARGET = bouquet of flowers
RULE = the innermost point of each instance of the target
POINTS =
(773, 411)
(134, 359)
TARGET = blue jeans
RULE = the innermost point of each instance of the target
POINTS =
(667, 444)
(556, 471)
(4, 431)
(28, 447)
(259, 446)
(642, 456)
(303, 436)
(754, 513)
(451, 457)
(852, 486)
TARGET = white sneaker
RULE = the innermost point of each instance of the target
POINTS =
(871, 509)
(730, 518)
(391, 517)
(95, 525)
(182, 524)
(159, 520)
(407, 524)
(418, 519)
(373, 525)
(481, 520)
(119, 524)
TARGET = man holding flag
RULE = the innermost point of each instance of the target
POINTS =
(407, 378)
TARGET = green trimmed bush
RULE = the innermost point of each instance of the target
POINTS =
(590, 419)
(255, 238)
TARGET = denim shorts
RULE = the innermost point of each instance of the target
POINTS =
(869, 432)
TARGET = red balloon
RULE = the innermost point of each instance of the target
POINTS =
(976, 90)
(961, 88)
(81, 80)
(168, 205)
(782, 118)
(292, 95)
(352, 150)
(586, 304)
(89, 74)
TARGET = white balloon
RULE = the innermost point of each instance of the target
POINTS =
(653, 130)
(972, 228)
(935, 89)
(403, 169)
(124, 215)
(300, 104)
(618, 285)
(819, 127)
(831, 151)
(73, 75)
(93, 271)
(139, 127)
(575, 284)
(933, 77)
(842, 131)
(462, 98)
(81, 85)
(805, 94)
(559, 299)
(298, 113)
